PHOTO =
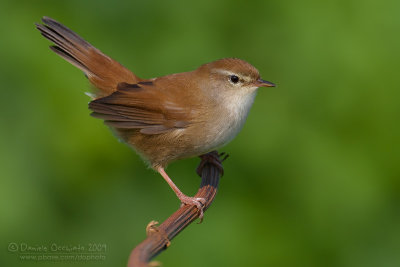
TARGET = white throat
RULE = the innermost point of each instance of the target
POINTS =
(232, 118)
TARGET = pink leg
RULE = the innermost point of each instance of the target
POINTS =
(196, 201)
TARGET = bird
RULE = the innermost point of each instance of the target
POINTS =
(167, 118)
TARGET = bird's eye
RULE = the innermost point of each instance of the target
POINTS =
(234, 78)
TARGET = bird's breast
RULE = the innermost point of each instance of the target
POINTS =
(227, 121)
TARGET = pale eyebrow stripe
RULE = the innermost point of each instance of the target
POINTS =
(226, 72)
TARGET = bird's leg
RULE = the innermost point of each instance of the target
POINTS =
(196, 201)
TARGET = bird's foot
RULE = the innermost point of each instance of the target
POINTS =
(214, 158)
(194, 201)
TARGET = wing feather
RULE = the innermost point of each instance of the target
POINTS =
(142, 106)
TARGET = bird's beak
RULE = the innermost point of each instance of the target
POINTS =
(262, 83)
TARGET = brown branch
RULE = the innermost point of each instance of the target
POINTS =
(158, 238)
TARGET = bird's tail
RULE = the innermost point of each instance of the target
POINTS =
(102, 71)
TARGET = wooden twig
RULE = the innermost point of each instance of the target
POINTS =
(158, 238)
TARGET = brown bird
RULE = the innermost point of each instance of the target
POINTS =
(167, 118)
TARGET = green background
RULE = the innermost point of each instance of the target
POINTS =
(313, 178)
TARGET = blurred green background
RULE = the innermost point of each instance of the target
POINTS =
(313, 178)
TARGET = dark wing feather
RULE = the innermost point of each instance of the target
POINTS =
(141, 106)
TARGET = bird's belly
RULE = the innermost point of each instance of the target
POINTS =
(222, 134)
(197, 139)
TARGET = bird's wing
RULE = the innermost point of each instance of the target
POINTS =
(143, 106)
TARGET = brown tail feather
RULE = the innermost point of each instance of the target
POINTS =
(103, 72)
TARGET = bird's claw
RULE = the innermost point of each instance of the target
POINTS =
(199, 202)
